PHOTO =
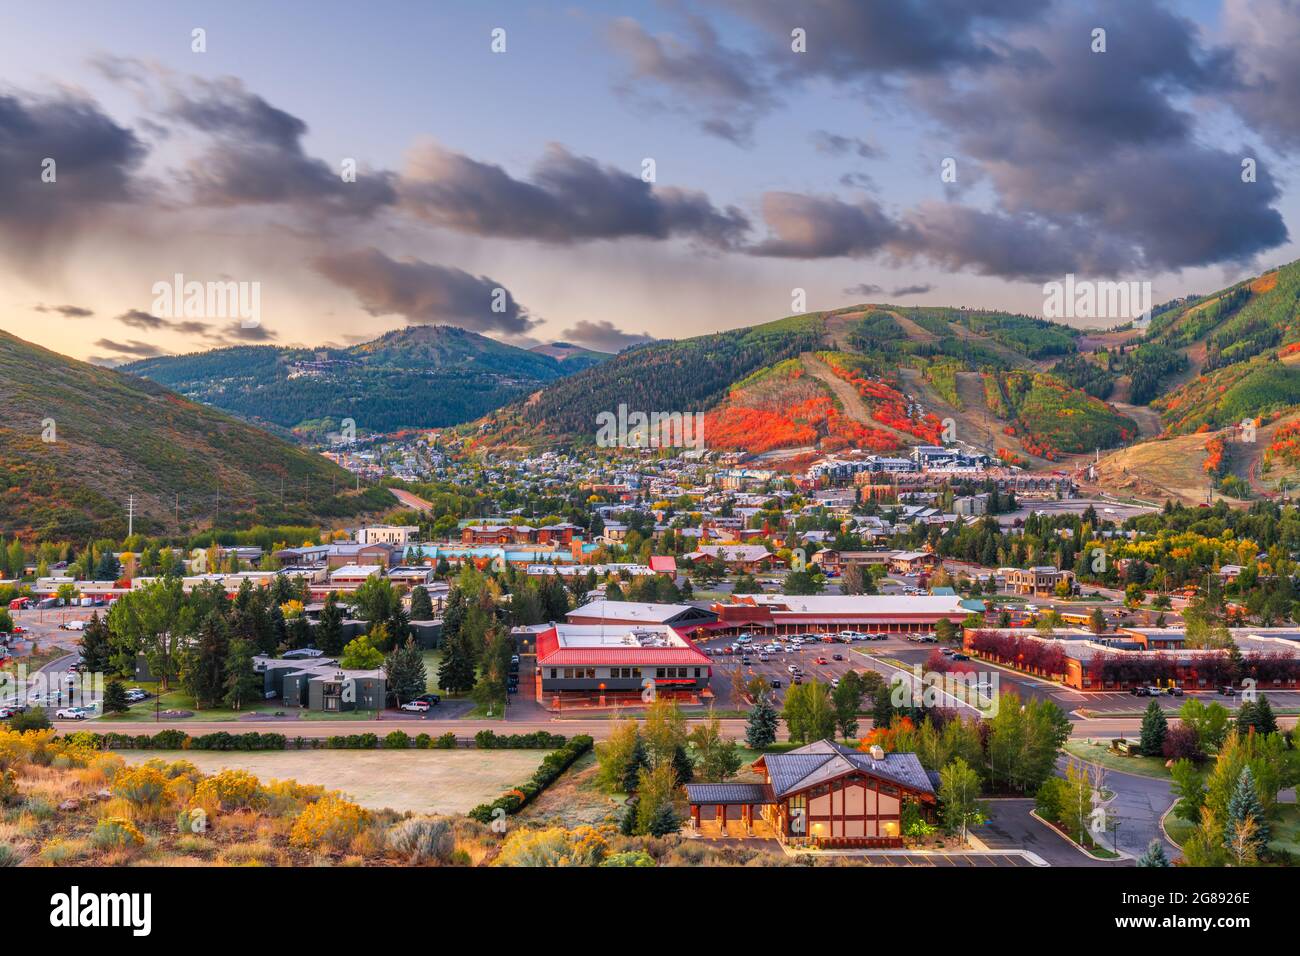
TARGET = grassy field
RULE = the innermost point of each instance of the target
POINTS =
(176, 699)
(424, 781)
(1101, 755)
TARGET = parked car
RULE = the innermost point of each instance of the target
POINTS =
(821, 660)
(416, 706)
(793, 668)
(959, 656)
(763, 658)
(746, 660)
(1227, 691)
(73, 713)
(1174, 691)
(1138, 691)
(73, 626)
(797, 679)
(837, 657)
(775, 683)
(430, 699)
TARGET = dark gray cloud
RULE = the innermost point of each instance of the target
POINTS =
(906, 290)
(423, 292)
(67, 311)
(837, 145)
(133, 348)
(604, 336)
(864, 289)
(241, 334)
(568, 199)
(139, 319)
(95, 164)
(725, 88)
(815, 227)
(1265, 34)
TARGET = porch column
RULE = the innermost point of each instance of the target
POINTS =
(695, 816)
(720, 813)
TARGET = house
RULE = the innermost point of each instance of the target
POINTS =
(911, 562)
(828, 559)
(683, 618)
(399, 536)
(352, 576)
(340, 555)
(823, 795)
(411, 576)
(1040, 580)
(604, 664)
(663, 564)
(747, 558)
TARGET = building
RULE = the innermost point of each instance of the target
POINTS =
(319, 684)
(605, 664)
(341, 555)
(747, 558)
(780, 614)
(682, 618)
(911, 562)
(352, 576)
(1040, 580)
(663, 564)
(398, 536)
(823, 795)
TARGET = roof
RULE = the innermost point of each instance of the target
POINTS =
(598, 645)
(638, 611)
(663, 562)
(840, 604)
(826, 760)
(729, 793)
(732, 552)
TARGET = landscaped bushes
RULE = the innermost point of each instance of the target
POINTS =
(554, 764)
(541, 740)
(396, 740)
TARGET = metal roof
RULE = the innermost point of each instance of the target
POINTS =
(729, 793)
(825, 760)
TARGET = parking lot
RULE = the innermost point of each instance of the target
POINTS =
(855, 656)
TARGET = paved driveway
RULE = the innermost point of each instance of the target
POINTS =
(1011, 827)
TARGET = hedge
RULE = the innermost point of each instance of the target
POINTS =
(552, 766)
(395, 740)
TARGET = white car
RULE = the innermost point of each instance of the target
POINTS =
(416, 706)
(73, 713)
(73, 625)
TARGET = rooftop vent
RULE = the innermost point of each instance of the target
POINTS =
(877, 752)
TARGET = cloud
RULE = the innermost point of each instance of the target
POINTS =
(568, 199)
(132, 348)
(67, 311)
(242, 334)
(1265, 35)
(139, 319)
(919, 289)
(94, 166)
(725, 85)
(864, 288)
(604, 336)
(837, 145)
(815, 227)
(423, 292)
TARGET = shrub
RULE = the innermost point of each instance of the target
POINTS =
(447, 741)
(423, 741)
(397, 740)
(116, 833)
(629, 858)
(547, 773)
(328, 822)
(554, 846)
(144, 787)
(231, 790)
(10, 855)
(423, 840)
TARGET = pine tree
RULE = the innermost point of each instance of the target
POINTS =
(96, 645)
(683, 766)
(329, 633)
(421, 606)
(242, 683)
(406, 674)
(203, 671)
(760, 729)
(1265, 720)
(664, 821)
(115, 701)
(635, 764)
(1154, 856)
(1154, 727)
(1245, 805)
(456, 670)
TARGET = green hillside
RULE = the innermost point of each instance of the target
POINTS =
(115, 435)
(422, 376)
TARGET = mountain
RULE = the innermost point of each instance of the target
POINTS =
(421, 376)
(574, 357)
(77, 439)
(1028, 390)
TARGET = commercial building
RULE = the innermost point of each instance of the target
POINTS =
(682, 618)
(780, 614)
(606, 664)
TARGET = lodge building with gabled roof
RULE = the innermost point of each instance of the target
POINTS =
(822, 795)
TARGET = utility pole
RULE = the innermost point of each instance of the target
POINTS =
(178, 512)
(130, 516)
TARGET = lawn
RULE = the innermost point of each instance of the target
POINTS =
(1285, 828)
(1100, 754)
(423, 781)
(177, 699)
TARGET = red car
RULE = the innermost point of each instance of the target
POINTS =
(821, 660)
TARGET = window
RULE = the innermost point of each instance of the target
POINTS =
(553, 671)
(697, 672)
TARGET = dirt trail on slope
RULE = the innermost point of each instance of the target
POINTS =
(849, 398)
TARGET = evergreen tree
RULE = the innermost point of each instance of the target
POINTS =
(115, 697)
(203, 669)
(406, 674)
(242, 683)
(638, 762)
(421, 606)
(329, 633)
(664, 820)
(1245, 805)
(1154, 727)
(683, 766)
(456, 670)
(1154, 855)
(298, 632)
(760, 729)
(613, 592)
(96, 646)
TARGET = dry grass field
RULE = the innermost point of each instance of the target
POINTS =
(422, 781)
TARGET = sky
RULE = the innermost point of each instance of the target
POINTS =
(606, 173)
